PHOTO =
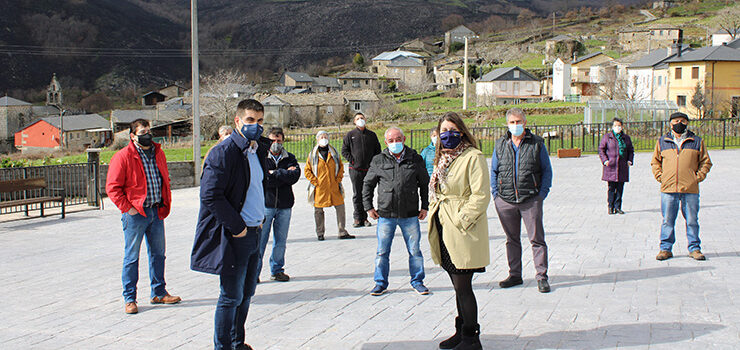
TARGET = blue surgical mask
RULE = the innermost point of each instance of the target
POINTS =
(434, 140)
(450, 139)
(252, 132)
(395, 147)
(516, 129)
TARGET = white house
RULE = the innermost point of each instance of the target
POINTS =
(648, 76)
(722, 36)
(507, 85)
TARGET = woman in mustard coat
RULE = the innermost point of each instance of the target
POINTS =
(459, 192)
(324, 171)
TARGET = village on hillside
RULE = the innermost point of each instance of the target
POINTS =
(650, 62)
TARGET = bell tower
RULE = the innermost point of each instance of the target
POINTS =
(54, 92)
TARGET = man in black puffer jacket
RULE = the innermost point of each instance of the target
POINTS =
(359, 147)
(402, 179)
(282, 172)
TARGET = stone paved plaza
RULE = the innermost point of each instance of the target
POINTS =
(61, 286)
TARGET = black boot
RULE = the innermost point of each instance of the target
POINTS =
(470, 339)
(451, 342)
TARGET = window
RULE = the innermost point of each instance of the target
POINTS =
(502, 85)
(681, 100)
(357, 106)
(367, 82)
(694, 72)
(660, 81)
(451, 81)
(344, 82)
(395, 70)
(413, 70)
(516, 74)
(329, 109)
(530, 86)
(678, 73)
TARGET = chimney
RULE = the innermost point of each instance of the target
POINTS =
(680, 42)
(574, 57)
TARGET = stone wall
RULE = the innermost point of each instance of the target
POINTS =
(182, 175)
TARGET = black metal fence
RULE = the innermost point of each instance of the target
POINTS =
(717, 133)
(74, 178)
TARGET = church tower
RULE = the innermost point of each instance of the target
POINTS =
(54, 92)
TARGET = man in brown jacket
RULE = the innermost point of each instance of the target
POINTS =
(680, 162)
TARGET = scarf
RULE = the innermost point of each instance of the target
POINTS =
(439, 175)
(620, 141)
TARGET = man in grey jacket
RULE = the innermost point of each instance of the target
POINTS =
(401, 177)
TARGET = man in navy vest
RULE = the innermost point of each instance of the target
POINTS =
(521, 177)
(232, 209)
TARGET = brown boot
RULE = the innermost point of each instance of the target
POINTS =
(697, 255)
(167, 299)
(664, 255)
(131, 308)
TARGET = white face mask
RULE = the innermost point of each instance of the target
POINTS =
(323, 142)
(617, 129)
(434, 140)
(360, 123)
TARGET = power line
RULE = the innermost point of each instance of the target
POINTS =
(31, 50)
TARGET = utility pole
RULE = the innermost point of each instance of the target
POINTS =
(196, 89)
(465, 77)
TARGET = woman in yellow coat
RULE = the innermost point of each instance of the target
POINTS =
(324, 171)
(459, 192)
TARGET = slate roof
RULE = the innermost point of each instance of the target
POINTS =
(405, 62)
(583, 58)
(389, 55)
(722, 31)
(461, 29)
(320, 99)
(735, 44)
(79, 122)
(299, 77)
(500, 72)
(326, 81)
(7, 101)
(656, 57)
(710, 53)
(125, 116)
(44, 110)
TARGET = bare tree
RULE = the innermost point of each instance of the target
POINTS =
(220, 93)
(728, 20)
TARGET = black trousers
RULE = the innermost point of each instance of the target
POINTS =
(614, 194)
(357, 177)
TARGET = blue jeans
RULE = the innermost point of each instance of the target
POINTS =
(135, 227)
(411, 235)
(279, 220)
(689, 204)
(237, 291)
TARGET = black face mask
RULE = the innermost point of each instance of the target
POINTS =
(679, 128)
(144, 140)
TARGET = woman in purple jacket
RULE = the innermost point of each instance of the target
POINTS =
(616, 153)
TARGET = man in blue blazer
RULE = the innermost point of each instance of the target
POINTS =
(229, 223)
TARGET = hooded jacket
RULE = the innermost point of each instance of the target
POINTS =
(679, 170)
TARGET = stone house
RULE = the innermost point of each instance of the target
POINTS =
(458, 35)
(318, 109)
(407, 67)
(14, 114)
(648, 38)
(354, 80)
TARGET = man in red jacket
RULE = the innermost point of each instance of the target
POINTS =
(139, 185)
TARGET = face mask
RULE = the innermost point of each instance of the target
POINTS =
(434, 140)
(450, 139)
(252, 132)
(617, 129)
(679, 128)
(144, 140)
(395, 147)
(323, 142)
(516, 129)
(360, 123)
(276, 148)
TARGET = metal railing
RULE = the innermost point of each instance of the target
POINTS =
(74, 178)
(717, 133)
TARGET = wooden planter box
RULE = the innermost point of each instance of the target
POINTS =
(569, 153)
